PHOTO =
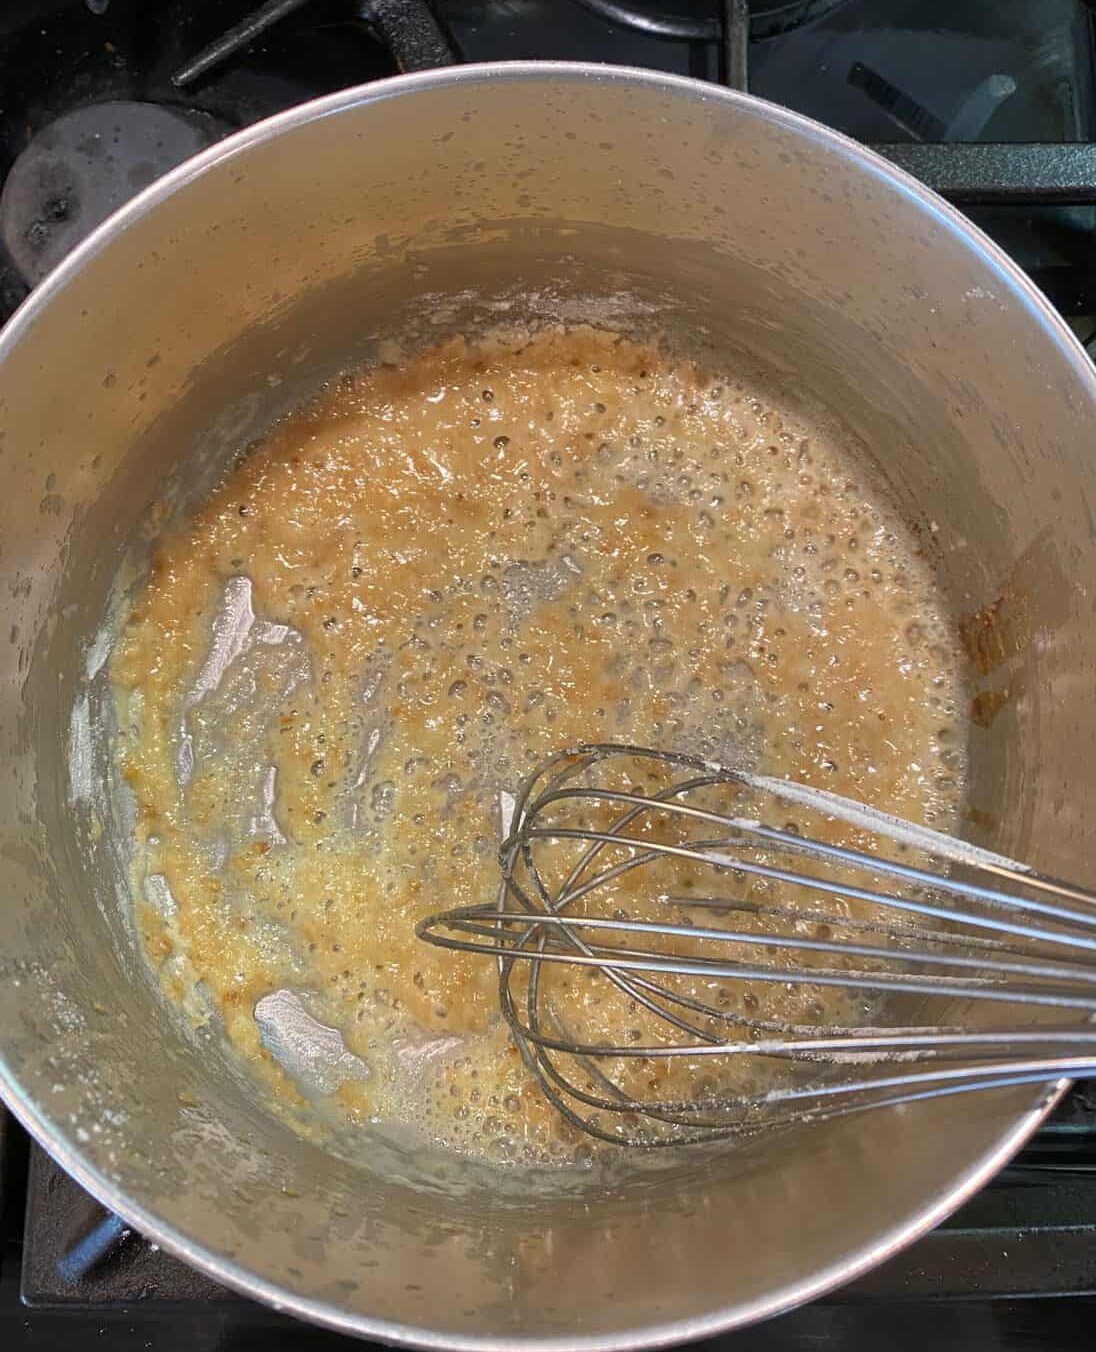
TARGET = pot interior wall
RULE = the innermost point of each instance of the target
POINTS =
(718, 220)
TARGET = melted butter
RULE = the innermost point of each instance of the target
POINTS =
(420, 586)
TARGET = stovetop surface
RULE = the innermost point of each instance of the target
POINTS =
(1016, 1267)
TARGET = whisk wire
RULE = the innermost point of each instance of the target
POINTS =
(930, 933)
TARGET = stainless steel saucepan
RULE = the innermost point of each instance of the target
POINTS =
(219, 298)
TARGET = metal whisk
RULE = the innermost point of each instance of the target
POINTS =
(677, 896)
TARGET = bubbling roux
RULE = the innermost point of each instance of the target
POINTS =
(421, 585)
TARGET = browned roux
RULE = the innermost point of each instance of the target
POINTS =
(427, 581)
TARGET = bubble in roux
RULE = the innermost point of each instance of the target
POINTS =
(460, 560)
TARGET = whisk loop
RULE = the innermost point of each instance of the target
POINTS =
(905, 925)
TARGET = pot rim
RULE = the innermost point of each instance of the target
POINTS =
(235, 1275)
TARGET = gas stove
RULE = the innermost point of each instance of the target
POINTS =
(994, 105)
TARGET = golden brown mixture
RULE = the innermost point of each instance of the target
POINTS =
(420, 586)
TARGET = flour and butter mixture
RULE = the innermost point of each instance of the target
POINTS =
(415, 589)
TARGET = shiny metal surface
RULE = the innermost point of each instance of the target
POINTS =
(219, 298)
(1013, 936)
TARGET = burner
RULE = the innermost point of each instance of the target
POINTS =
(83, 166)
(683, 22)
